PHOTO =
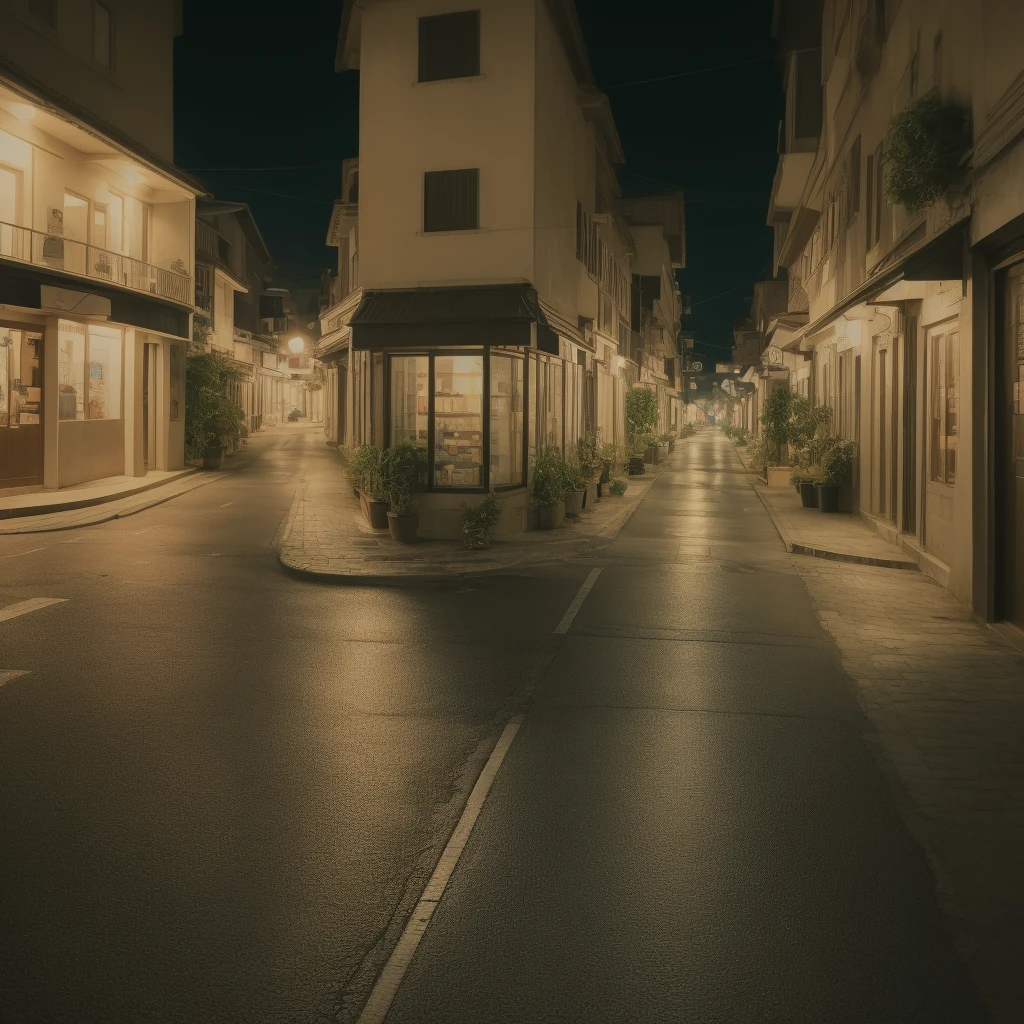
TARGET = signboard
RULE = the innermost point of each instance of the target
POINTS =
(693, 385)
(772, 356)
(728, 387)
(696, 366)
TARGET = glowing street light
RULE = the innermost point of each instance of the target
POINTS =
(296, 345)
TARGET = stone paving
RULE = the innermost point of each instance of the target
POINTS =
(326, 536)
(944, 695)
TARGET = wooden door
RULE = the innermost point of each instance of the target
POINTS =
(1010, 447)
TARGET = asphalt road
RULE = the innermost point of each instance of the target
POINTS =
(222, 789)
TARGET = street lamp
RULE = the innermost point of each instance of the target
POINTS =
(296, 345)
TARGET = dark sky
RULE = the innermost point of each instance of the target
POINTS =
(262, 117)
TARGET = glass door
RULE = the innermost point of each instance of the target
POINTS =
(21, 384)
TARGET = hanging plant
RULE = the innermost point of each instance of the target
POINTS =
(923, 148)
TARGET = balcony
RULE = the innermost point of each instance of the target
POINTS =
(70, 257)
(273, 325)
(213, 247)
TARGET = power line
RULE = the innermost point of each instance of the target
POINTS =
(704, 71)
(282, 195)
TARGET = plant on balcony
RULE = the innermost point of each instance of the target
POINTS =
(178, 266)
(478, 520)
(103, 266)
(201, 328)
(923, 148)
(212, 421)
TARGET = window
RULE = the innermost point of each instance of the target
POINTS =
(115, 223)
(409, 399)
(88, 372)
(76, 217)
(869, 201)
(449, 46)
(879, 195)
(101, 34)
(451, 200)
(12, 241)
(458, 421)
(943, 404)
(45, 11)
(547, 398)
(506, 456)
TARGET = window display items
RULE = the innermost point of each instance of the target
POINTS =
(458, 421)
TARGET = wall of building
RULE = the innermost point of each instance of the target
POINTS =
(134, 94)
(407, 128)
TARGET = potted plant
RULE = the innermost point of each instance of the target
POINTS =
(652, 453)
(576, 481)
(609, 460)
(478, 520)
(591, 464)
(806, 480)
(618, 488)
(776, 420)
(549, 485)
(213, 422)
(641, 420)
(365, 474)
(836, 471)
(404, 472)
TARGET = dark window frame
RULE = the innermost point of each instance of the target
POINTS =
(442, 219)
(449, 46)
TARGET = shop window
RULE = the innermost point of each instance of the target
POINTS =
(506, 420)
(409, 398)
(449, 46)
(943, 403)
(548, 403)
(20, 378)
(458, 421)
(88, 372)
(451, 200)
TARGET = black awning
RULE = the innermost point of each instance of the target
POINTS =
(443, 317)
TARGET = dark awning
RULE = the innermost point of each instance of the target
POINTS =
(443, 317)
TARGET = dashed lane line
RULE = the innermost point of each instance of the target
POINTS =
(33, 604)
(577, 602)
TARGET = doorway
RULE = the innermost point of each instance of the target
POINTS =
(884, 417)
(1010, 444)
(910, 427)
(149, 392)
(21, 403)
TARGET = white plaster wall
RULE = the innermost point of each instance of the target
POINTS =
(407, 128)
(134, 94)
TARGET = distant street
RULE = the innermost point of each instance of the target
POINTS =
(222, 789)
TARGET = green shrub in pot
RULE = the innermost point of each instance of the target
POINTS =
(364, 471)
(549, 477)
(479, 519)
(404, 473)
(837, 463)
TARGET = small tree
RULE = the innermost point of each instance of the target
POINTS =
(641, 418)
(212, 420)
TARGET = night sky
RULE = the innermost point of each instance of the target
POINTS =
(262, 117)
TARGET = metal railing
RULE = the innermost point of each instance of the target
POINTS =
(84, 260)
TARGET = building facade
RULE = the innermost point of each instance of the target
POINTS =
(486, 302)
(912, 317)
(96, 245)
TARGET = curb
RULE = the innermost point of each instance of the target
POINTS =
(795, 548)
(109, 516)
(584, 547)
(70, 506)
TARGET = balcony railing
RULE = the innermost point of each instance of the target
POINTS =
(55, 253)
(274, 324)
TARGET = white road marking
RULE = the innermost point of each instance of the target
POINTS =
(7, 674)
(577, 601)
(147, 529)
(226, 503)
(384, 991)
(33, 604)
(18, 554)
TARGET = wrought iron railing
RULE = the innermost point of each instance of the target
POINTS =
(84, 260)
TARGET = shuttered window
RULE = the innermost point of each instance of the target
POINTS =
(451, 200)
(450, 46)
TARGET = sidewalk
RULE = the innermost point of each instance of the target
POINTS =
(838, 536)
(90, 504)
(326, 537)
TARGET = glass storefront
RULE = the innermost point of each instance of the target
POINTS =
(409, 398)
(88, 372)
(506, 420)
(458, 421)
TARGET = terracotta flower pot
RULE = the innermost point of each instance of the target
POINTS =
(550, 516)
(213, 459)
(574, 502)
(374, 512)
(403, 528)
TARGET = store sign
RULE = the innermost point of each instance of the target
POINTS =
(696, 366)
(693, 385)
(772, 356)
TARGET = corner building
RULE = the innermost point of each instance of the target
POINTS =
(484, 305)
